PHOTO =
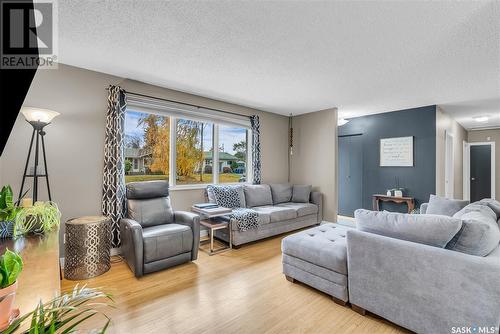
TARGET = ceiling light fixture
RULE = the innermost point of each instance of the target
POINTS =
(342, 121)
(481, 119)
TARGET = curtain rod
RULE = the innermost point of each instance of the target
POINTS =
(187, 104)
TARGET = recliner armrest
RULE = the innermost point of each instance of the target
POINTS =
(193, 221)
(132, 245)
(317, 198)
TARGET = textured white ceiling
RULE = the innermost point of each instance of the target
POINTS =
(300, 56)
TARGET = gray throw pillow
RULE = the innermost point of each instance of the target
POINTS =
(444, 206)
(492, 204)
(476, 207)
(257, 195)
(432, 230)
(282, 193)
(301, 193)
(479, 234)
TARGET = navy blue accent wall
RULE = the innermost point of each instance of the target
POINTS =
(420, 180)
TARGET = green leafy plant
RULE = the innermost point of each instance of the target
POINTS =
(65, 313)
(42, 217)
(11, 266)
(8, 210)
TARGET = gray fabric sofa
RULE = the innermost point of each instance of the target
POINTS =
(438, 287)
(153, 236)
(277, 211)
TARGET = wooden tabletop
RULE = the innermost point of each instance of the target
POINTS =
(40, 276)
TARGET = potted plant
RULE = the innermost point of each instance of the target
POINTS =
(8, 212)
(11, 265)
(42, 217)
(64, 313)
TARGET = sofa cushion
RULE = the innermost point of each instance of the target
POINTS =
(257, 195)
(492, 204)
(150, 212)
(301, 193)
(302, 209)
(164, 241)
(281, 193)
(444, 206)
(479, 234)
(433, 230)
(483, 209)
(276, 213)
(324, 246)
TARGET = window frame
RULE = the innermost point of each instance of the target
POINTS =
(172, 177)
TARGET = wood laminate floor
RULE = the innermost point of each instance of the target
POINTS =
(239, 291)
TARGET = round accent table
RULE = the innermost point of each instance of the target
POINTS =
(87, 247)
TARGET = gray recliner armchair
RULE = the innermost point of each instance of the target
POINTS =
(153, 236)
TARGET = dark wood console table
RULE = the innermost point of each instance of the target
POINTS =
(377, 198)
(40, 278)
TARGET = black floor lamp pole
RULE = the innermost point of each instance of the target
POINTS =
(39, 133)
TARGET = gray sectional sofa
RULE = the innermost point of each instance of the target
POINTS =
(281, 208)
(430, 273)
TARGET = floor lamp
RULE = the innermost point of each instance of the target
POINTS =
(38, 118)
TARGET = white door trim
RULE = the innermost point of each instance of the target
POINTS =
(449, 168)
(466, 168)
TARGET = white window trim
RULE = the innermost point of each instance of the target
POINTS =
(172, 177)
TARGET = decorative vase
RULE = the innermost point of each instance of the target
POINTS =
(389, 193)
(7, 312)
(6, 229)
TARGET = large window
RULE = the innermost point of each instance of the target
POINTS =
(147, 148)
(194, 147)
(160, 147)
(232, 154)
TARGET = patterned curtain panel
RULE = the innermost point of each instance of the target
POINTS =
(254, 121)
(113, 185)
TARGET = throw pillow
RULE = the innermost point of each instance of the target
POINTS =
(432, 230)
(282, 193)
(479, 234)
(257, 195)
(444, 206)
(492, 204)
(301, 193)
(226, 196)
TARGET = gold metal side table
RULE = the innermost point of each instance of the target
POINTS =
(87, 246)
(212, 227)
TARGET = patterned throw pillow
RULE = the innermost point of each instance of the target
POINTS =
(226, 196)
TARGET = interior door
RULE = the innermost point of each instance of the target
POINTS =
(350, 174)
(480, 172)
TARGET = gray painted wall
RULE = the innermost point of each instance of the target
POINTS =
(420, 180)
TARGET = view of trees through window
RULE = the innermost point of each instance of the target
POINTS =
(147, 150)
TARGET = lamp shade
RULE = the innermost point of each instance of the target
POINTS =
(38, 115)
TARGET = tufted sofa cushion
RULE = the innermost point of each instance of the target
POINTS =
(324, 246)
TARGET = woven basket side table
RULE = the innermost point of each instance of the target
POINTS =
(88, 247)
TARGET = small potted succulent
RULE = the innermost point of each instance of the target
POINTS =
(11, 266)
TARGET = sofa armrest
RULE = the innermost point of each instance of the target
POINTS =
(423, 208)
(317, 198)
(132, 245)
(423, 288)
(193, 221)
